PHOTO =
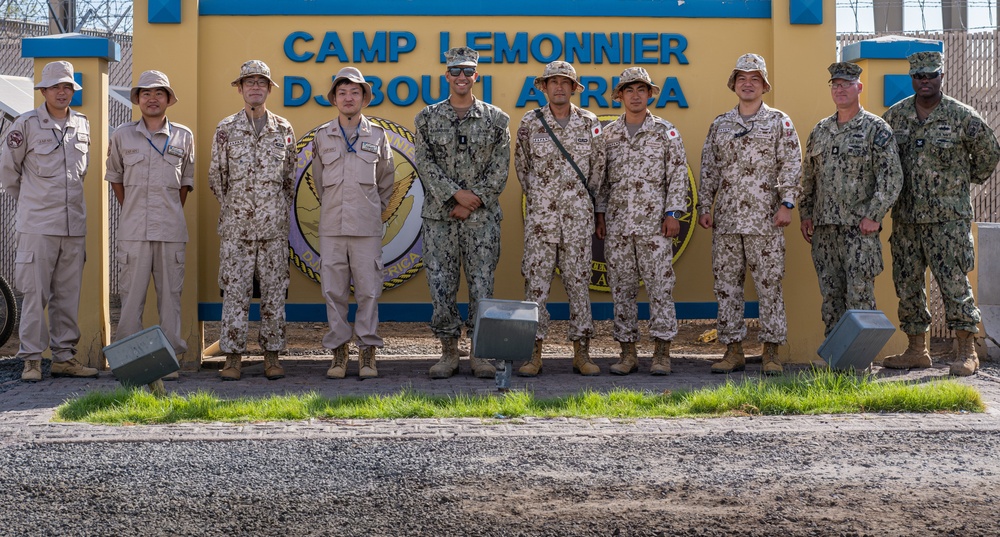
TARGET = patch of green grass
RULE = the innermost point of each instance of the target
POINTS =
(819, 392)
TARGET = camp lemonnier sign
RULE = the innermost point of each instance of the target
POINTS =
(401, 221)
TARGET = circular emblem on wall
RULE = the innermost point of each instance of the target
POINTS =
(402, 247)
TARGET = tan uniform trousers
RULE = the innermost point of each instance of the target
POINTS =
(345, 258)
(48, 270)
(137, 260)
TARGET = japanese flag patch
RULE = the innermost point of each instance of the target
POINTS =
(672, 133)
(596, 130)
(786, 122)
(289, 140)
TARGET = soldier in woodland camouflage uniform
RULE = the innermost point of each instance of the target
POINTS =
(463, 155)
(851, 177)
(637, 214)
(750, 168)
(560, 209)
(252, 173)
(945, 147)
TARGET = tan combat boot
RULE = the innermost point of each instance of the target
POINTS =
(231, 371)
(72, 368)
(32, 371)
(448, 364)
(481, 368)
(338, 368)
(915, 355)
(582, 363)
(628, 360)
(533, 367)
(770, 365)
(366, 363)
(966, 360)
(661, 358)
(733, 360)
(272, 367)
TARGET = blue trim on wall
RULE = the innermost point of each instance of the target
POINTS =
(896, 88)
(707, 9)
(164, 12)
(876, 49)
(77, 99)
(71, 46)
(805, 11)
(419, 312)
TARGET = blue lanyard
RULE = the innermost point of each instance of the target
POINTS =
(350, 144)
(165, 144)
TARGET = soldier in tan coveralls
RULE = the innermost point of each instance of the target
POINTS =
(751, 165)
(150, 167)
(43, 164)
(945, 147)
(559, 222)
(252, 175)
(638, 207)
(353, 172)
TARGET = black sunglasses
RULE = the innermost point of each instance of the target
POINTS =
(926, 76)
(455, 71)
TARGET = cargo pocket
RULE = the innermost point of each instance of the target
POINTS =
(24, 272)
(124, 274)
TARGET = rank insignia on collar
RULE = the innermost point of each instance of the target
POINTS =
(920, 142)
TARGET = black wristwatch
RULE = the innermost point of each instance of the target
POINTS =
(788, 204)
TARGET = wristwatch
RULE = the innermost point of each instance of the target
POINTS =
(788, 204)
(673, 214)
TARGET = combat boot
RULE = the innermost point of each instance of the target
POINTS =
(481, 368)
(72, 368)
(582, 363)
(914, 357)
(628, 360)
(172, 376)
(231, 371)
(32, 371)
(272, 367)
(770, 365)
(534, 367)
(366, 363)
(661, 358)
(338, 368)
(733, 360)
(448, 364)
(966, 360)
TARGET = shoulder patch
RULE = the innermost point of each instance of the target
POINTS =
(672, 133)
(786, 123)
(15, 139)
(221, 137)
(974, 127)
(882, 137)
(596, 131)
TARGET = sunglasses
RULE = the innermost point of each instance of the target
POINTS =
(468, 71)
(926, 76)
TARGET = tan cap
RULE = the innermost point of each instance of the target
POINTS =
(461, 57)
(749, 63)
(255, 68)
(557, 68)
(634, 74)
(351, 74)
(56, 73)
(150, 80)
(845, 70)
(926, 62)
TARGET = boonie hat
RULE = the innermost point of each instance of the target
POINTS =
(56, 73)
(844, 70)
(150, 80)
(352, 74)
(255, 68)
(749, 63)
(557, 68)
(461, 57)
(926, 62)
(634, 74)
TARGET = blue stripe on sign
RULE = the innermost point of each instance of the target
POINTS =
(706, 9)
(71, 46)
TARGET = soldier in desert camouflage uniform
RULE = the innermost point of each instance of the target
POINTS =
(559, 220)
(463, 155)
(945, 147)
(851, 177)
(638, 207)
(750, 168)
(252, 174)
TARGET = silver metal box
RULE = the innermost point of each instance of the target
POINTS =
(856, 339)
(505, 330)
(142, 357)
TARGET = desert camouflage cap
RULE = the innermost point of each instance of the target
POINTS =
(557, 68)
(930, 61)
(56, 73)
(748, 63)
(461, 56)
(153, 79)
(255, 68)
(634, 74)
(351, 74)
(844, 70)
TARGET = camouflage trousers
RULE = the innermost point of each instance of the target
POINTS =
(846, 265)
(764, 255)
(239, 260)
(948, 249)
(649, 258)
(539, 267)
(449, 246)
